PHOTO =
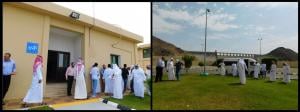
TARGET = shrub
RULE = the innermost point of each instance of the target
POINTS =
(217, 62)
(188, 61)
(201, 63)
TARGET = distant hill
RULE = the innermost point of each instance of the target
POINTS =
(163, 48)
(284, 54)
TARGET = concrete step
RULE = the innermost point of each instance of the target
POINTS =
(56, 89)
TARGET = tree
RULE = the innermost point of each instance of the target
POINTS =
(187, 61)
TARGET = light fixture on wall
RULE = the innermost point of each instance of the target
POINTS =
(74, 15)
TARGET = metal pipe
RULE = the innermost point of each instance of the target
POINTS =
(207, 10)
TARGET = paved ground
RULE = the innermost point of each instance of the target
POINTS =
(89, 106)
(92, 104)
(17, 103)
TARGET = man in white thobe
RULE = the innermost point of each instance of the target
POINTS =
(35, 92)
(256, 70)
(148, 78)
(80, 87)
(139, 78)
(171, 70)
(286, 73)
(98, 89)
(273, 72)
(241, 70)
(234, 70)
(222, 69)
(107, 75)
(118, 82)
(130, 79)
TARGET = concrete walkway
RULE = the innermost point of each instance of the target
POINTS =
(93, 104)
(13, 104)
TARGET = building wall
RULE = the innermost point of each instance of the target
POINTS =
(143, 62)
(210, 59)
(22, 25)
(19, 27)
(78, 45)
(101, 47)
(66, 44)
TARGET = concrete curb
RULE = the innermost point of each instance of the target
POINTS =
(105, 101)
(22, 109)
(121, 107)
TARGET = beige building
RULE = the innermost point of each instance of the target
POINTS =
(144, 54)
(60, 39)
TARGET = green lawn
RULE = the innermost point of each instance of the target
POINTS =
(41, 108)
(134, 102)
(216, 92)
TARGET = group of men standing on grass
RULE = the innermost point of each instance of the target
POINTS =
(172, 68)
(113, 77)
(240, 69)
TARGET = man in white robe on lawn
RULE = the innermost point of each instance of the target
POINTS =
(130, 79)
(234, 70)
(35, 92)
(118, 82)
(171, 70)
(139, 78)
(256, 70)
(286, 73)
(148, 78)
(107, 75)
(80, 86)
(222, 69)
(241, 70)
(273, 72)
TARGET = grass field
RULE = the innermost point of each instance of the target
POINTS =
(41, 108)
(216, 92)
(134, 102)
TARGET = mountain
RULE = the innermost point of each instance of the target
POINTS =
(163, 48)
(284, 54)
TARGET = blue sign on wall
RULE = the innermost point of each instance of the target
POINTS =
(32, 48)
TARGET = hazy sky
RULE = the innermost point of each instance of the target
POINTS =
(232, 27)
(132, 16)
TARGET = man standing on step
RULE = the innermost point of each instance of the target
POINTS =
(70, 77)
(9, 68)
